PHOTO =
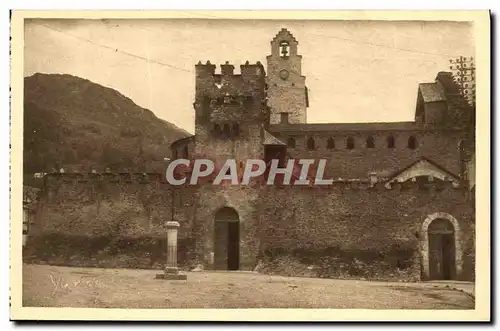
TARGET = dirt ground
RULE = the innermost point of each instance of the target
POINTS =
(51, 286)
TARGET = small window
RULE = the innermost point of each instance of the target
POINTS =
(350, 143)
(236, 129)
(186, 152)
(370, 142)
(291, 143)
(227, 98)
(412, 142)
(310, 143)
(391, 143)
(217, 130)
(330, 144)
(226, 131)
(284, 118)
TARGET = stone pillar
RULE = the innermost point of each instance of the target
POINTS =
(172, 230)
(171, 270)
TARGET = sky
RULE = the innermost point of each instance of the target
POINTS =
(356, 71)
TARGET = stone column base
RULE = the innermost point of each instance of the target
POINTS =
(171, 276)
(171, 273)
(171, 270)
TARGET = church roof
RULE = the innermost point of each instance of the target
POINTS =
(431, 92)
(269, 139)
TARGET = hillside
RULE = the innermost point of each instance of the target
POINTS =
(76, 124)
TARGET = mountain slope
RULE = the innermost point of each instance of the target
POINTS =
(76, 124)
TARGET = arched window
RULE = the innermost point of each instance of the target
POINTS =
(350, 143)
(284, 49)
(330, 143)
(291, 142)
(370, 142)
(412, 142)
(391, 143)
(310, 143)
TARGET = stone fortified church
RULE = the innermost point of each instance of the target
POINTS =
(398, 184)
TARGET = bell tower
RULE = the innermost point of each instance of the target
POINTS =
(287, 92)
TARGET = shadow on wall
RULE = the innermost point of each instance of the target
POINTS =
(103, 252)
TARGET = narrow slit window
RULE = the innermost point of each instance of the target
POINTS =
(217, 129)
(226, 131)
(284, 118)
(310, 143)
(330, 143)
(391, 143)
(370, 142)
(236, 129)
(412, 142)
(350, 143)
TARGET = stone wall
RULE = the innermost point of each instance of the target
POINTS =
(438, 146)
(109, 220)
(347, 218)
(101, 204)
(377, 229)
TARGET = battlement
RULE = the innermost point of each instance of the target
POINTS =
(343, 184)
(383, 185)
(227, 69)
(141, 178)
(251, 81)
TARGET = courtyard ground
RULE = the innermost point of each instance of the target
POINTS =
(52, 286)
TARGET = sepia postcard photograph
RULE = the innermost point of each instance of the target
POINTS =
(250, 165)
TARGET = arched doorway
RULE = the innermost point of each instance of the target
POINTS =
(227, 239)
(441, 250)
(441, 247)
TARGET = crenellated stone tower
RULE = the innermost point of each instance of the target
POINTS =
(231, 114)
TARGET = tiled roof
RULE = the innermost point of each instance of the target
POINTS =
(447, 82)
(431, 92)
